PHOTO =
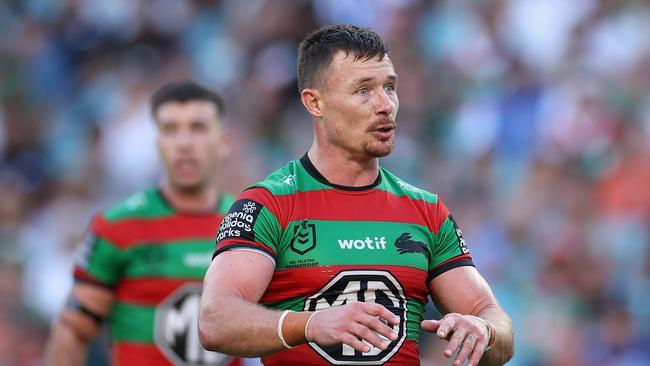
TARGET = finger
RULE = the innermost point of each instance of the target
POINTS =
(479, 349)
(446, 325)
(382, 312)
(374, 324)
(369, 336)
(456, 341)
(430, 325)
(466, 348)
(355, 343)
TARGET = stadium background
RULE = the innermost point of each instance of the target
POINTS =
(530, 118)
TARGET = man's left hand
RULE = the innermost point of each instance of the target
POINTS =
(466, 334)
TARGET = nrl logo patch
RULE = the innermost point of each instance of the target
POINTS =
(304, 238)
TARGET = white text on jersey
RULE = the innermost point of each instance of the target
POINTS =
(368, 243)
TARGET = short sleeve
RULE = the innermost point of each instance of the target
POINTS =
(251, 224)
(449, 249)
(99, 260)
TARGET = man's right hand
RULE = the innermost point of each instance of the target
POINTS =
(77, 325)
(350, 323)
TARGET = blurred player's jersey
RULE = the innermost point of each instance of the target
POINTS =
(331, 245)
(154, 259)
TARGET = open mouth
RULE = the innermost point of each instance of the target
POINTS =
(383, 132)
(186, 165)
(385, 129)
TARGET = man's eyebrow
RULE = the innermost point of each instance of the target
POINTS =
(364, 80)
(391, 77)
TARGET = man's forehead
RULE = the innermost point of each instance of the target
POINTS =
(192, 106)
(349, 67)
(342, 58)
(194, 109)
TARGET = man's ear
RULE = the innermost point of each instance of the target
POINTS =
(225, 141)
(312, 99)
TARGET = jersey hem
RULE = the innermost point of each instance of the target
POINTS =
(81, 276)
(244, 246)
(255, 250)
(460, 261)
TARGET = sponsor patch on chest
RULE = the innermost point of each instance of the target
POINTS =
(369, 243)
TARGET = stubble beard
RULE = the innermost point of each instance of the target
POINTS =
(190, 188)
(371, 149)
(381, 151)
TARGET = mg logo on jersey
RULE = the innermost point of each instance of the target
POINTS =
(380, 287)
(176, 329)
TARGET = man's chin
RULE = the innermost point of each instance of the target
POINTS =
(379, 151)
(187, 187)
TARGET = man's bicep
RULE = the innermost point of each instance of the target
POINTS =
(238, 272)
(461, 290)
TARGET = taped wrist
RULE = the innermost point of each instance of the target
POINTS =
(292, 328)
(492, 339)
(74, 305)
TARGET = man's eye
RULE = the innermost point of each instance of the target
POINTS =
(389, 87)
(362, 90)
(167, 129)
(199, 127)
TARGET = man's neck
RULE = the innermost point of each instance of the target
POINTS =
(342, 168)
(199, 201)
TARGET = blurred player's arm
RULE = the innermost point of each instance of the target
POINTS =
(77, 324)
(473, 319)
(231, 321)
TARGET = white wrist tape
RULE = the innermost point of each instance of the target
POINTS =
(307, 325)
(280, 321)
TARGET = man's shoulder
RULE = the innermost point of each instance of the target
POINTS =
(395, 185)
(283, 181)
(144, 204)
(225, 201)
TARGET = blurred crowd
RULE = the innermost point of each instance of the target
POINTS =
(530, 118)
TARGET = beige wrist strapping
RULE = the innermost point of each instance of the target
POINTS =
(491, 335)
(280, 321)
(307, 325)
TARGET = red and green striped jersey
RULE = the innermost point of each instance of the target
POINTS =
(154, 259)
(331, 244)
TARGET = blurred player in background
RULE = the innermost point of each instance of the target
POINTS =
(141, 266)
(342, 253)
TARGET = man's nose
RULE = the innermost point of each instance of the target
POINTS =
(384, 104)
(184, 139)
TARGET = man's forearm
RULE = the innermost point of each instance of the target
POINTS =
(503, 348)
(64, 347)
(238, 327)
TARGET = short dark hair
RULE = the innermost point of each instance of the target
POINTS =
(184, 91)
(317, 50)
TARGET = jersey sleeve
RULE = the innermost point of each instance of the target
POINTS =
(99, 260)
(251, 224)
(449, 249)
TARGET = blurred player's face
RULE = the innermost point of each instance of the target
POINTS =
(190, 143)
(359, 105)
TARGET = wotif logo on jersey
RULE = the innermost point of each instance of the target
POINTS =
(360, 244)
